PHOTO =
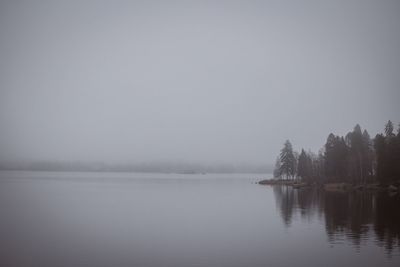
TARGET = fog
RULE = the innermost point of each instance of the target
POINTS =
(204, 82)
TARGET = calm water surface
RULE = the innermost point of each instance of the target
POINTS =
(125, 219)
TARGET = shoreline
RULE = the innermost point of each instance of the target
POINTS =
(335, 186)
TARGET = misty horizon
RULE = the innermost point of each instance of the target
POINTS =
(154, 166)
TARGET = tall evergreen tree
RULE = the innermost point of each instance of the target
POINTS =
(336, 152)
(330, 155)
(387, 149)
(296, 162)
(287, 159)
(304, 167)
(389, 129)
(368, 155)
(356, 155)
(380, 150)
(319, 166)
(390, 153)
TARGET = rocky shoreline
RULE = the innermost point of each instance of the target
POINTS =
(335, 187)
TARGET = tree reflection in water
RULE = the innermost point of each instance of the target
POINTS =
(354, 216)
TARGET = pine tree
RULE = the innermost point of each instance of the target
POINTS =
(330, 155)
(380, 150)
(336, 158)
(356, 155)
(387, 149)
(367, 154)
(389, 129)
(304, 167)
(287, 160)
(391, 154)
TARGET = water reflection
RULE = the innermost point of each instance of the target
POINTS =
(349, 217)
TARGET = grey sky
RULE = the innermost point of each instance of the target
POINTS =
(204, 81)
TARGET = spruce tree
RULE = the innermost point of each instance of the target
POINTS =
(304, 167)
(287, 159)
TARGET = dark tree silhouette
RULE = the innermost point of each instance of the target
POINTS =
(387, 149)
(287, 158)
(368, 156)
(380, 151)
(355, 158)
(336, 156)
(356, 155)
(389, 129)
(304, 166)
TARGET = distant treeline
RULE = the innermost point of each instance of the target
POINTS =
(354, 158)
(156, 167)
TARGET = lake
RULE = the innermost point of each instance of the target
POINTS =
(146, 219)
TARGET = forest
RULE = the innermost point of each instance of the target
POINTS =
(355, 158)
